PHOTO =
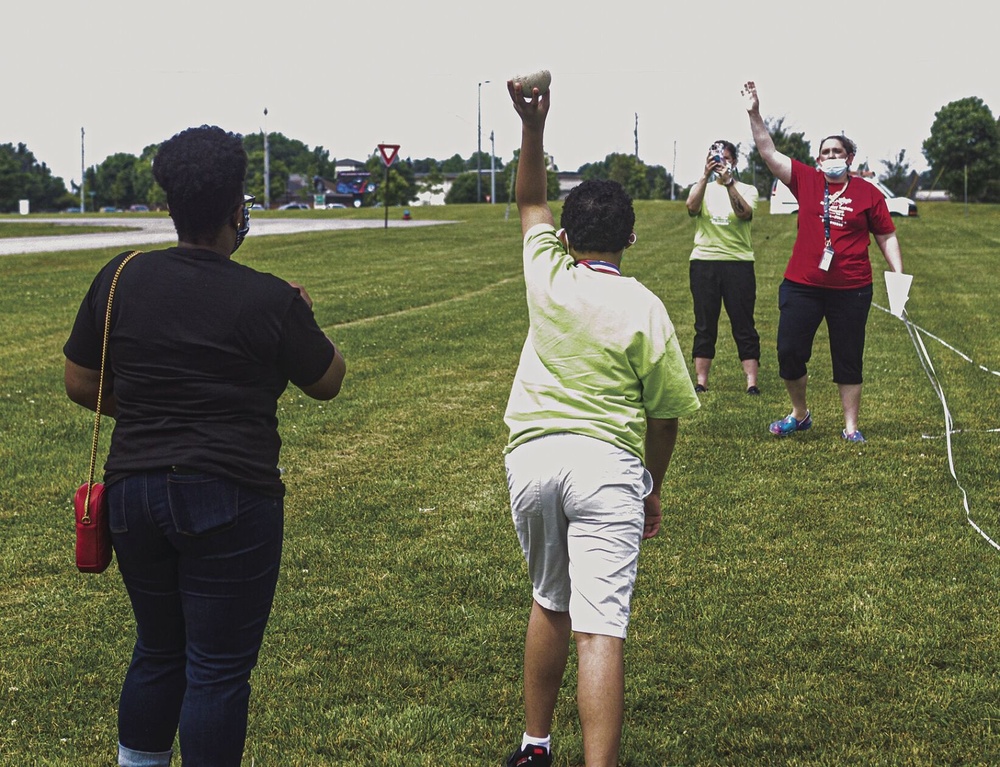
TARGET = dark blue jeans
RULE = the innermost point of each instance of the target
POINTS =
(199, 556)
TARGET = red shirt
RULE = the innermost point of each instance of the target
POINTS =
(855, 213)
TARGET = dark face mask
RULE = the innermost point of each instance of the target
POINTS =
(241, 232)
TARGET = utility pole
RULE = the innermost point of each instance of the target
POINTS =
(637, 135)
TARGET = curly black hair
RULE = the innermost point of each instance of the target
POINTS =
(202, 170)
(598, 217)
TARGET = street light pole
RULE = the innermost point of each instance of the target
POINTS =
(479, 143)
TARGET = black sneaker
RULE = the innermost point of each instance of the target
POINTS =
(700, 389)
(753, 391)
(530, 756)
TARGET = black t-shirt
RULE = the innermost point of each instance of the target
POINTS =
(201, 347)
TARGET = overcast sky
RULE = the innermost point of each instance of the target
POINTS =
(350, 75)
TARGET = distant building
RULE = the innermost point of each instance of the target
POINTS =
(567, 181)
(348, 187)
(933, 195)
(437, 197)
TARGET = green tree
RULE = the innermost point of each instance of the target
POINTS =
(285, 157)
(641, 181)
(463, 189)
(433, 181)
(115, 181)
(278, 172)
(964, 143)
(505, 182)
(426, 165)
(659, 182)
(147, 191)
(552, 189)
(401, 188)
(897, 174)
(792, 145)
(629, 171)
(22, 177)
(454, 164)
(323, 164)
(484, 161)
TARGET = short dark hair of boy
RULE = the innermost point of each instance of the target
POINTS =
(202, 170)
(598, 217)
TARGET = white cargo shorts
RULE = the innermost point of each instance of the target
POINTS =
(577, 506)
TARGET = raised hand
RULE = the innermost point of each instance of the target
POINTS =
(749, 93)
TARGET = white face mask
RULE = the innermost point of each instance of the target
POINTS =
(834, 168)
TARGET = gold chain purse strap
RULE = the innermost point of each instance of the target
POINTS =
(100, 384)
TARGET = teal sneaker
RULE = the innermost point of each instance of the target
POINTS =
(790, 424)
(854, 436)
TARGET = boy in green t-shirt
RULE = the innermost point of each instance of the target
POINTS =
(593, 420)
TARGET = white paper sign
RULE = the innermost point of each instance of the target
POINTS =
(897, 286)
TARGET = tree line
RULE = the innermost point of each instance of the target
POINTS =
(962, 152)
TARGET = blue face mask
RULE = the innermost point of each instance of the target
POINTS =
(835, 168)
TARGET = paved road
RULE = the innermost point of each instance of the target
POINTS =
(150, 231)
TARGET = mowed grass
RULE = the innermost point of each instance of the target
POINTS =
(30, 228)
(808, 602)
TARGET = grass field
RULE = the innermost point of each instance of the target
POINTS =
(9, 228)
(808, 601)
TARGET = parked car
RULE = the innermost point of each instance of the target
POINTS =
(138, 208)
(334, 205)
(782, 200)
(294, 206)
(110, 209)
(71, 210)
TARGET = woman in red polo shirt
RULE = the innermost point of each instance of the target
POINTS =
(829, 276)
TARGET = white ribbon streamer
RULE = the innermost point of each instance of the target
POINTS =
(915, 332)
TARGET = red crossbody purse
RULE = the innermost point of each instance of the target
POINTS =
(93, 533)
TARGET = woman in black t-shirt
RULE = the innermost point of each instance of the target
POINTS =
(199, 350)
